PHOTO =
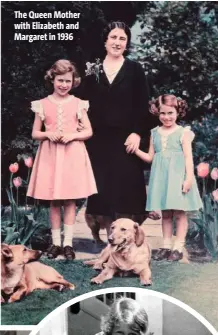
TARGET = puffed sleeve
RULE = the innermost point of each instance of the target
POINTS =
(83, 105)
(142, 118)
(36, 107)
(187, 132)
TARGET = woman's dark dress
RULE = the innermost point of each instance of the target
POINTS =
(116, 110)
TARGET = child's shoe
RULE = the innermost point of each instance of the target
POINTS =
(54, 251)
(161, 254)
(69, 253)
(175, 256)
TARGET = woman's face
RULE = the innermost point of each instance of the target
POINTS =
(124, 329)
(116, 42)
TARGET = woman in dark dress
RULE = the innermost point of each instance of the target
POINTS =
(119, 117)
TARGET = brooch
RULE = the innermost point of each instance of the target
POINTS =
(94, 68)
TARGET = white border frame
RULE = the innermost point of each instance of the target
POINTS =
(36, 329)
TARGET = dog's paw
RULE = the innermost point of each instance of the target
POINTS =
(11, 299)
(146, 282)
(72, 287)
(96, 280)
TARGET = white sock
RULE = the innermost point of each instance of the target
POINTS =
(56, 236)
(167, 243)
(178, 245)
(68, 235)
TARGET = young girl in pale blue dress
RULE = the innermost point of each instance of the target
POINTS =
(172, 185)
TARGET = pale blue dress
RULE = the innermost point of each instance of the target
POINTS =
(168, 174)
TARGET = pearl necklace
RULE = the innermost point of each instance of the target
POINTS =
(114, 70)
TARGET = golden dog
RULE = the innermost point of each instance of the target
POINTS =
(19, 278)
(127, 251)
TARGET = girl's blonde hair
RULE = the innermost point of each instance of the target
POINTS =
(62, 66)
(128, 311)
(168, 100)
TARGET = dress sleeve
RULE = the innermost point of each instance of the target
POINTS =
(36, 107)
(141, 123)
(83, 104)
(187, 132)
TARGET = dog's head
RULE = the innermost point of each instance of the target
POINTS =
(19, 254)
(125, 232)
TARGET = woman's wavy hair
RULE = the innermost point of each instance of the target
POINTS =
(62, 66)
(121, 25)
(168, 100)
(128, 311)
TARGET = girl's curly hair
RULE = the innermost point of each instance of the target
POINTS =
(168, 100)
(128, 311)
(62, 66)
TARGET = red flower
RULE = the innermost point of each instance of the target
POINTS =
(203, 170)
(17, 182)
(14, 167)
(28, 162)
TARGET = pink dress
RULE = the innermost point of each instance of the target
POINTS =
(61, 171)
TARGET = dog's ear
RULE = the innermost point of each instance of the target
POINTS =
(139, 235)
(6, 252)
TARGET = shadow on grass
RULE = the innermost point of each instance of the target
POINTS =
(87, 245)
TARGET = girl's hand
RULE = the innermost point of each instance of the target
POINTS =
(53, 136)
(186, 186)
(66, 138)
(132, 143)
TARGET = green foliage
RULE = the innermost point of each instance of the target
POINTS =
(207, 226)
(206, 140)
(21, 231)
(179, 49)
(204, 226)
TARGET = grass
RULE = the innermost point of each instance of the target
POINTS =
(194, 284)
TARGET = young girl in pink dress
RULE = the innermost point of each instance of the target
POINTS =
(62, 170)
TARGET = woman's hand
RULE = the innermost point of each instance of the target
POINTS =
(132, 143)
(186, 186)
(53, 136)
(66, 138)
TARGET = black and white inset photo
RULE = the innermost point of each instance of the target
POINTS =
(124, 312)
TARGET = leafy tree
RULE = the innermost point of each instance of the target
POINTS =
(179, 49)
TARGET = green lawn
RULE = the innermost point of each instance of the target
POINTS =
(194, 284)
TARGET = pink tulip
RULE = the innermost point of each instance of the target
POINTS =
(14, 167)
(17, 182)
(28, 162)
(215, 194)
(214, 174)
(203, 170)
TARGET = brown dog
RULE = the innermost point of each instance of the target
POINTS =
(127, 251)
(97, 222)
(19, 278)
